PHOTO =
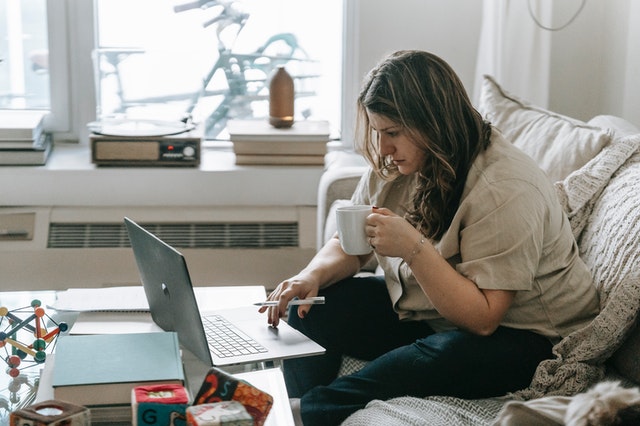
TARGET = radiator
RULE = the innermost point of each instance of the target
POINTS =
(59, 248)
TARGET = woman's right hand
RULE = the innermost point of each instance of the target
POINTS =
(330, 265)
(286, 291)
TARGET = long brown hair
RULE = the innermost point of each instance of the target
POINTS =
(423, 94)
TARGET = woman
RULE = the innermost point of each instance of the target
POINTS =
(481, 271)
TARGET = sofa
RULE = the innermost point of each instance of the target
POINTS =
(595, 168)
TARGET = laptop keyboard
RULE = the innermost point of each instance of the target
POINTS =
(226, 340)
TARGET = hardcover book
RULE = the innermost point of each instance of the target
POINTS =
(102, 369)
(261, 130)
(20, 125)
(256, 137)
(35, 155)
(281, 160)
(302, 148)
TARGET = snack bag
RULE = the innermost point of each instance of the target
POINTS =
(220, 386)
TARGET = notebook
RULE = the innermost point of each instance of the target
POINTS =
(173, 306)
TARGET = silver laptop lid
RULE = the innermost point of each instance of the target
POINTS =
(169, 290)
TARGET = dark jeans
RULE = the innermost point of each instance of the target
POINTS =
(407, 357)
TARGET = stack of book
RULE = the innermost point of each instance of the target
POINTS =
(99, 371)
(23, 140)
(256, 142)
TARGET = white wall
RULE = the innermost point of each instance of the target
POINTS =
(595, 62)
(448, 28)
(631, 95)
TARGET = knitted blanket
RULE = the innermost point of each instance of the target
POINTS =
(580, 357)
(603, 203)
(439, 410)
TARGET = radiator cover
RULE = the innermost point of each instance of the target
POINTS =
(179, 235)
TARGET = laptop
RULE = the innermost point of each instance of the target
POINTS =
(173, 306)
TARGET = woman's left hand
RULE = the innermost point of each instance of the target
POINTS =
(390, 234)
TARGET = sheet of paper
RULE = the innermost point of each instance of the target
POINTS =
(133, 299)
(125, 309)
(114, 323)
(124, 298)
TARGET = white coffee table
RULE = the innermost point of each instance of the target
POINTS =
(271, 381)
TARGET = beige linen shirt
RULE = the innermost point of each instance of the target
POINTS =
(509, 233)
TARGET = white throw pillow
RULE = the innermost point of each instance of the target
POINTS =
(559, 144)
(618, 125)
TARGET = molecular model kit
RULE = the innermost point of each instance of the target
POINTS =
(25, 342)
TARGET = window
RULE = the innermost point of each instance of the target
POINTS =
(24, 79)
(168, 59)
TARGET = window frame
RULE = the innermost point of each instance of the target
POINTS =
(70, 77)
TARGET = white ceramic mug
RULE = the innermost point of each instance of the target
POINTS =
(351, 221)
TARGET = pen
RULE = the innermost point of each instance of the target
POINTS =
(319, 300)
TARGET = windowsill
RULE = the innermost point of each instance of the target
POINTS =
(70, 179)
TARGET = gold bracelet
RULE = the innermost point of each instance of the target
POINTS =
(416, 249)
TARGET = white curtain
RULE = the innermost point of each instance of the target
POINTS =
(514, 50)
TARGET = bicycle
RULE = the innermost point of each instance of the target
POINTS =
(246, 74)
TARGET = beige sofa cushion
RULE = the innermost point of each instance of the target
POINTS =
(331, 226)
(557, 143)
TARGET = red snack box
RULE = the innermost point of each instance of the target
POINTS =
(159, 405)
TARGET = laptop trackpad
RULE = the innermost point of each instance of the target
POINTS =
(253, 323)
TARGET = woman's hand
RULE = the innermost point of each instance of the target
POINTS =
(330, 265)
(389, 234)
(286, 291)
